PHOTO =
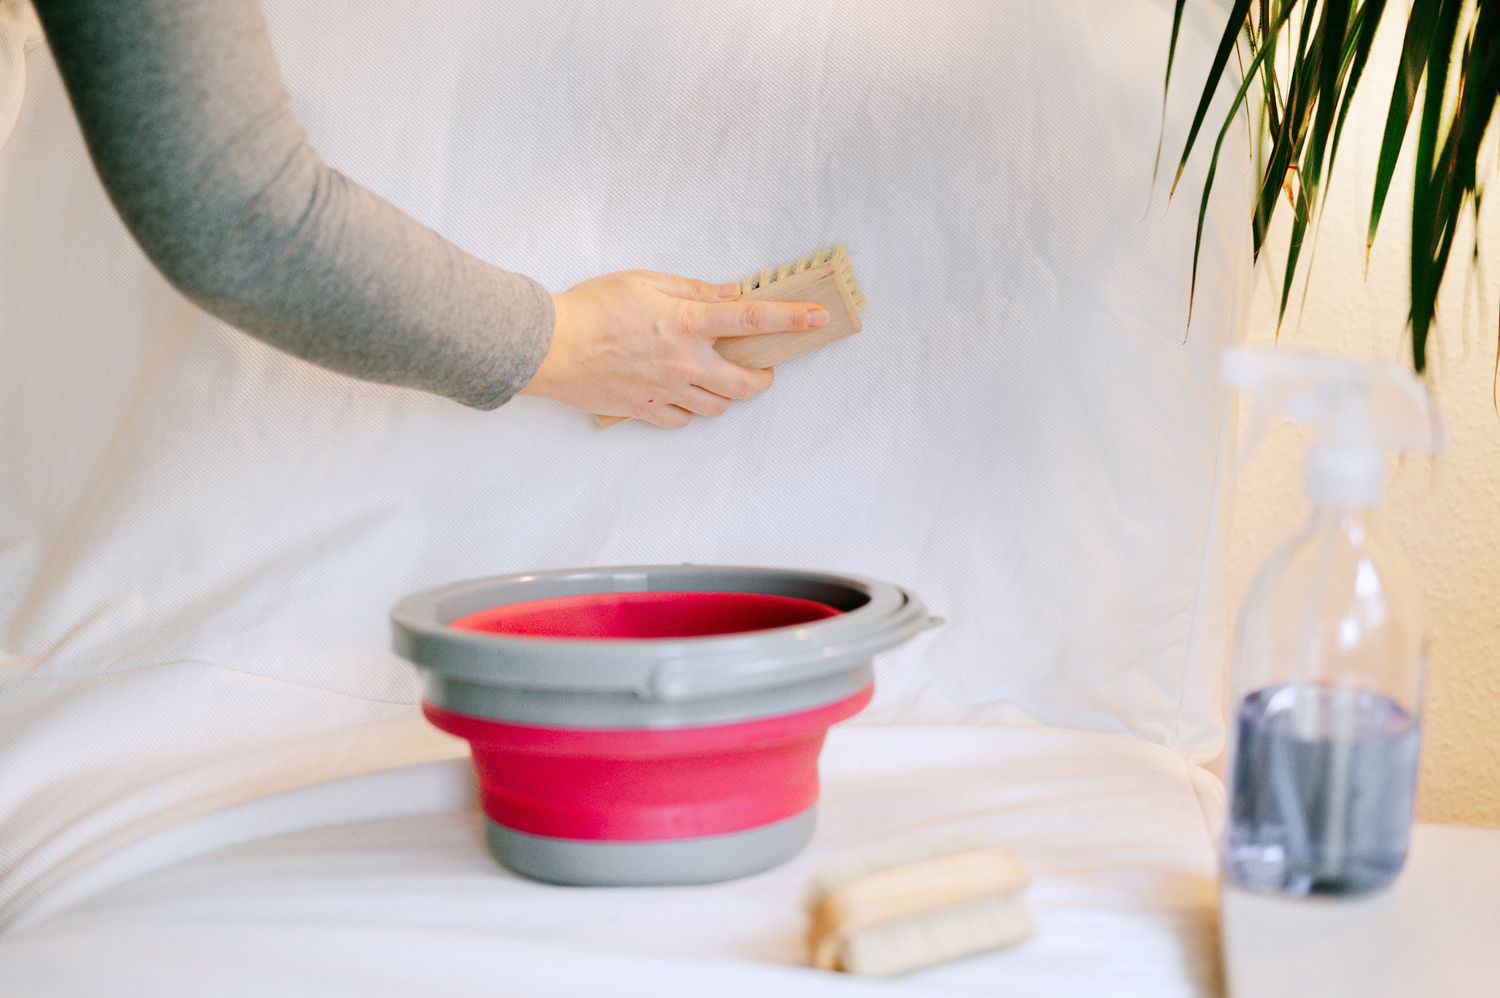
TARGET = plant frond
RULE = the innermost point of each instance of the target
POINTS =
(1307, 79)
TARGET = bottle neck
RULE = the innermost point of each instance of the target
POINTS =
(1344, 474)
(1351, 523)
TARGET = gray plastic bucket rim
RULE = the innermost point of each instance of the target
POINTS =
(661, 669)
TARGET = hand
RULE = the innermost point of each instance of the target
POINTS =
(641, 344)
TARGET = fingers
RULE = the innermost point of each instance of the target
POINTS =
(746, 318)
(703, 403)
(719, 385)
(732, 381)
(691, 288)
(669, 417)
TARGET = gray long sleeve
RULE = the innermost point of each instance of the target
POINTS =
(191, 130)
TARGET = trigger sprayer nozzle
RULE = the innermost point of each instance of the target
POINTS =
(1359, 411)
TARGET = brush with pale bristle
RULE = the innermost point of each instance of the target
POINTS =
(826, 278)
(834, 256)
(896, 913)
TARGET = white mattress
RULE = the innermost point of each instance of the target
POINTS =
(378, 883)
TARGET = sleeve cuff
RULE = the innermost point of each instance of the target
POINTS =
(531, 318)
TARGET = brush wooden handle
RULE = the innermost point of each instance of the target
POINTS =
(888, 921)
(824, 285)
(912, 889)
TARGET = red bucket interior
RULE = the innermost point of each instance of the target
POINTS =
(645, 615)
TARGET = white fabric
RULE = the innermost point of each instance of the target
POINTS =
(1021, 434)
(200, 538)
(379, 885)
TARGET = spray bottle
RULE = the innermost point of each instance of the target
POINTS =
(1330, 651)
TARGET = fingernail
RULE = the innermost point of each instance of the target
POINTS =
(729, 290)
(817, 317)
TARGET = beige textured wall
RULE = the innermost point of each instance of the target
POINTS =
(1447, 517)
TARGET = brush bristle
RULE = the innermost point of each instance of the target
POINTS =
(838, 256)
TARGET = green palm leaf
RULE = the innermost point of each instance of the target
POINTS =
(1306, 90)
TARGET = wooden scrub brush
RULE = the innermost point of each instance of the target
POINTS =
(826, 278)
(890, 915)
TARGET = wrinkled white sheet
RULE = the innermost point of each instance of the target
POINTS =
(378, 884)
(1022, 434)
(200, 538)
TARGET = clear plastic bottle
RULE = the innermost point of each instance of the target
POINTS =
(1329, 666)
(1330, 653)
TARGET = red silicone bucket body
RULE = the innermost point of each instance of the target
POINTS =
(647, 785)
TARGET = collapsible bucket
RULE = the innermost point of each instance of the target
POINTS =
(650, 725)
